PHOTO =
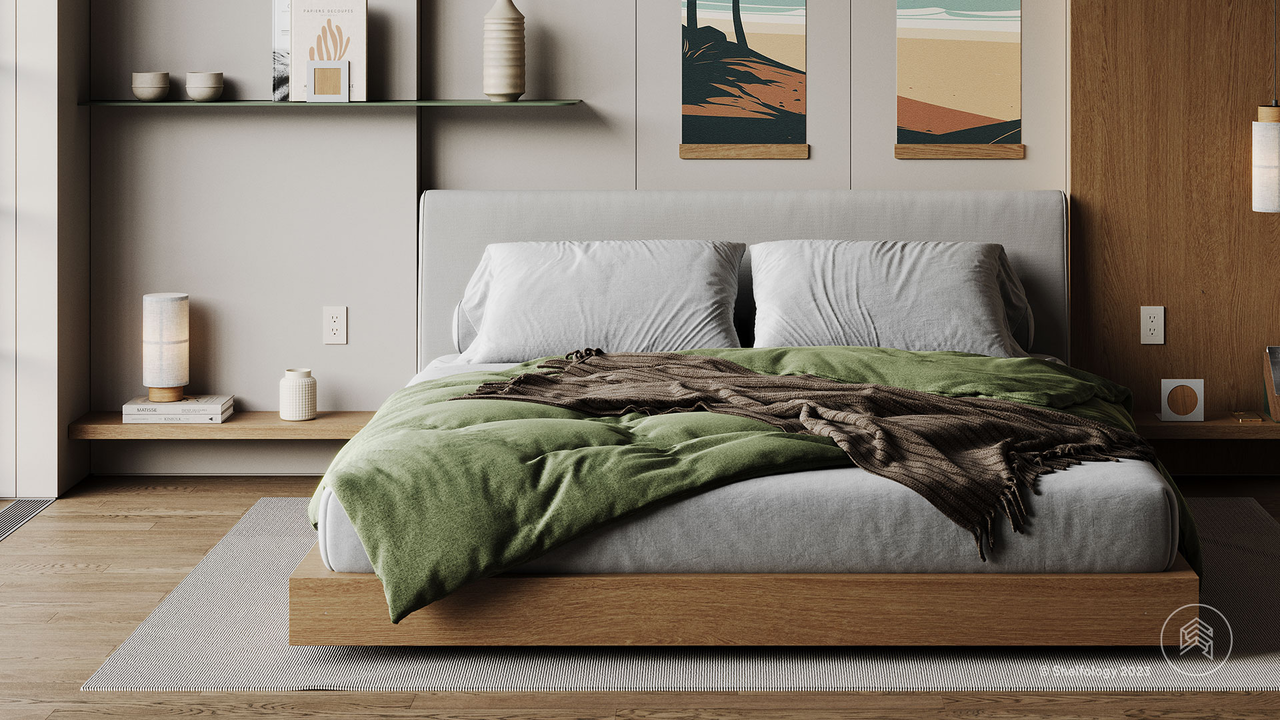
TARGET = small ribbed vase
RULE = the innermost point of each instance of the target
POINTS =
(297, 395)
(504, 52)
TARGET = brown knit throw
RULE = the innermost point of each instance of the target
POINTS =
(969, 457)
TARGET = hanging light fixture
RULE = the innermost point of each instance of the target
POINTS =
(1266, 142)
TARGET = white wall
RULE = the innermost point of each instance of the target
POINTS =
(232, 231)
(8, 247)
(52, 243)
(582, 48)
(262, 216)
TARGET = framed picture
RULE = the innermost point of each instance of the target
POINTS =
(959, 79)
(744, 79)
(328, 81)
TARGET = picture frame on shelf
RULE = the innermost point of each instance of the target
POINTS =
(328, 81)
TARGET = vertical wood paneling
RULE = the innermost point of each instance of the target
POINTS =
(1163, 92)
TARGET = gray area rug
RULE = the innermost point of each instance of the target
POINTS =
(225, 627)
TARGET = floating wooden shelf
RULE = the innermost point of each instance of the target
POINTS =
(240, 426)
(376, 104)
(1215, 428)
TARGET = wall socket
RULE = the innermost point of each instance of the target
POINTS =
(1152, 325)
(335, 325)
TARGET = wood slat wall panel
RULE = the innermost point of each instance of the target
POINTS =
(1162, 96)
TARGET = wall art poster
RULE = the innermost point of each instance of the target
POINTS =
(744, 79)
(960, 78)
(329, 31)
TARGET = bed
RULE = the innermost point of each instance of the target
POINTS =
(792, 559)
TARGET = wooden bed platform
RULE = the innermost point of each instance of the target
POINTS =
(328, 608)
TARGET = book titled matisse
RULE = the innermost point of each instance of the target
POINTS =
(332, 31)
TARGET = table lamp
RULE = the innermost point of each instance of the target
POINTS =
(165, 345)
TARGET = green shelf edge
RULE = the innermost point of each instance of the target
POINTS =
(378, 104)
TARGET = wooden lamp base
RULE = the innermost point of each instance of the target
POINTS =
(164, 395)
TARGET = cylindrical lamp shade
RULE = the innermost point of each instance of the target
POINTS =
(1266, 165)
(165, 345)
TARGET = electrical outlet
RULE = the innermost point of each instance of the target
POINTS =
(335, 325)
(1152, 325)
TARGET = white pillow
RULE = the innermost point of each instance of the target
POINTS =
(907, 295)
(531, 300)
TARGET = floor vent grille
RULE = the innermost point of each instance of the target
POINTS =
(20, 511)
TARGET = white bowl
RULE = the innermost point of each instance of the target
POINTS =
(204, 79)
(204, 94)
(152, 93)
(151, 79)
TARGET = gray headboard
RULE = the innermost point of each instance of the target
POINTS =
(455, 226)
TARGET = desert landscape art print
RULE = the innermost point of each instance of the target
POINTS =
(960, 78)
(743, 79)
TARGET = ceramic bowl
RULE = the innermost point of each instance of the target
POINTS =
(150, 94)
(151, 79)
(204, 94)
(150, 86)
(204, 86)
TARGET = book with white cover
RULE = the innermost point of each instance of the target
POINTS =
(176, 419)
(280, 26)
(189, 405)
(329, 30)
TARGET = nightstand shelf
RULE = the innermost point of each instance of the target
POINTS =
(350, 106)
(240, 426)
(1215, 428)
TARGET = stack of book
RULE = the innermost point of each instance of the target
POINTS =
(193, 409)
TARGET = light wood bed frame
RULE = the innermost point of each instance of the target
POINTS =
(327, 608)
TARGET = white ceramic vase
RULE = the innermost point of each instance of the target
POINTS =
(297, 395)
(504, 52)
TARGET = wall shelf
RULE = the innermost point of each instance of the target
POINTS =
(351, 105)
(240, 426)
(1215, 428)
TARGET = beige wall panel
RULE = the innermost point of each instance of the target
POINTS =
(576, 49)
(263, 217)
(73, 285)
(8, 247)
(658, 79)
(1044, 106)
(234, 37)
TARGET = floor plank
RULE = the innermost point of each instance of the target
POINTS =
(77, 580)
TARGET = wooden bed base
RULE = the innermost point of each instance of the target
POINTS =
(328, 608)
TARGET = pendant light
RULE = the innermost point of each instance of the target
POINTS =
(1266, 142)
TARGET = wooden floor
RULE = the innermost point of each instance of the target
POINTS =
(76, 581)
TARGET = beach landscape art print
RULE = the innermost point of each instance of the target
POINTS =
(743, 79)
(959, 79)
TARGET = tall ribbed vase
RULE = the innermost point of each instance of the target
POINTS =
(504, 52)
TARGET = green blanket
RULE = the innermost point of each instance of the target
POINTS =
(442, 493)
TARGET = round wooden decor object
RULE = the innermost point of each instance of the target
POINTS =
(1183, 400)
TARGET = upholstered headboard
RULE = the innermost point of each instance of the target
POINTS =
(455, 226)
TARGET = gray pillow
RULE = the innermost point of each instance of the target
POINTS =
(907, 295)
(531, 300)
